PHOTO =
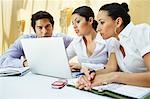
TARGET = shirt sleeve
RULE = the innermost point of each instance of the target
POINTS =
(142, 39)
(94, 66)
(67, 40)
(71, 50)
(11, 58)
(112, 45)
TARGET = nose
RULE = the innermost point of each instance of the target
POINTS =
(44, 31)
(98, 28)
(74, 26)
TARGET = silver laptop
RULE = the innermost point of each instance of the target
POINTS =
(47, 56)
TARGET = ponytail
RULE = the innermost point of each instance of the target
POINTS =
(94, 25)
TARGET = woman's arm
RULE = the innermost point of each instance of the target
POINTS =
(137, 79)
(111, 66)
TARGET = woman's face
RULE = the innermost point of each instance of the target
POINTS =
(106, 25)
(80, 25)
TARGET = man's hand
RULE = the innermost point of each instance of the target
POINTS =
(24, 61)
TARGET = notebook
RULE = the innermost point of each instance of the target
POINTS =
(47, 56)
(9, 71)
(118, 91)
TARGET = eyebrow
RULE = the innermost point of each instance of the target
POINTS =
(75, 19)
(43, 26)
(101, 19)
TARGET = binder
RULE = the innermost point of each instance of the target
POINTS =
(118, 91)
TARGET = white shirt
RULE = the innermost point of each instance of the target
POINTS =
(136, 42)
(100, 55)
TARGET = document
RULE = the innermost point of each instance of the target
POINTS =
(119, 91)
(13, 71)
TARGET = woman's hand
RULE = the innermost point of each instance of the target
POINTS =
(103, 79)
(86, 71)
(75, 66)
(84, 81)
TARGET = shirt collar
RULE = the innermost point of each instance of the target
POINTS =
(126, 31)
(79, 39)
(99, 39)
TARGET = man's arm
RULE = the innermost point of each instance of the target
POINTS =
(12, 57)
(67, 39)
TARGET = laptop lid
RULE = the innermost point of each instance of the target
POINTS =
(47, 56)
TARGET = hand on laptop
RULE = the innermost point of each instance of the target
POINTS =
(25, 63)
(75, 66)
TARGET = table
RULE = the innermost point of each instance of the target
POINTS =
(31, 86)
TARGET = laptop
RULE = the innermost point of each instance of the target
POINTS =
(47, 56)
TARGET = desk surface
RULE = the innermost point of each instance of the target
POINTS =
(31, 86)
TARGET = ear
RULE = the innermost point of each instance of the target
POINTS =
(118, 22)
(91, 20)
(53, 27)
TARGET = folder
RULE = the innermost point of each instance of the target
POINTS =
(119, 91)
(13, 71)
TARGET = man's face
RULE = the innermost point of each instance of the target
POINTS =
(43, 28)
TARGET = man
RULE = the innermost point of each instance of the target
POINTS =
(43, 24)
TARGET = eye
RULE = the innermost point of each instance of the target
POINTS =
(47, 26)
(102, 22)
(40, 27)
(78, 21)
(72, 23)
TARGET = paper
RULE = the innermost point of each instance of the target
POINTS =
(127, 90)
(13, 71)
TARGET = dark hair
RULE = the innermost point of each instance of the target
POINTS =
(116, 10)
(86, 12)
(41, 15)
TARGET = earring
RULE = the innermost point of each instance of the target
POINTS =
(116, 31)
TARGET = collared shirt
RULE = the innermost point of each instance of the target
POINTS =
(12, 57)
(100, 55)
(135, 40)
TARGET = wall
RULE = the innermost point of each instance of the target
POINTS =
(139, 11)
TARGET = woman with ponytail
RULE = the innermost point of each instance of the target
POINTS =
(133, 54)
(90, 48)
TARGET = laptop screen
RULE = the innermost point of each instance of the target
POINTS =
(47, 56)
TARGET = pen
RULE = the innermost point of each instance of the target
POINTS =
(81, 73)
(92, 71)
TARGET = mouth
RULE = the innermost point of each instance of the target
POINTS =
(46, 36)
(77, 31)
(101, 33)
